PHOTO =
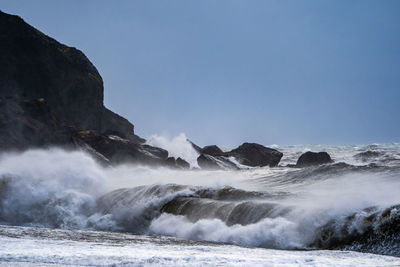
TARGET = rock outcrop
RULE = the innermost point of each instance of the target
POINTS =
(51, 94)
(313, 158)
(34, 66)
(178, 163)
(209, 162)
(248, 154)
(212, 150)
(255, 155)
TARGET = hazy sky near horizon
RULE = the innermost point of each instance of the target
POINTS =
(225, 72)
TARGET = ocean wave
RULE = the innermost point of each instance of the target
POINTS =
(335, 206)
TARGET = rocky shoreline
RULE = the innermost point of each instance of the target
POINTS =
(52, 95)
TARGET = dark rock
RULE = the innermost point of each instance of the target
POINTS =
(313, 158)
(291, 166)
(195, 147)
(156, 151)
(51, 94)
(215, 163)
(118, 150)
(207, 162)
(25, 123)
(182, 163)
(34, 67)
(177, 163)
(171, 162)
(212, 150)
(251, 154)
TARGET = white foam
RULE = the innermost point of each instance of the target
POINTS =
(268, 233)
(87, 248)
(58, 188)
(178, 146)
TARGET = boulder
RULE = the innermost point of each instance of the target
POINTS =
(183, 164)
(313, 158)
(195, 147)
(212, 150)
(255, 155)
(178, 163)
(118, 150)
(215, 163)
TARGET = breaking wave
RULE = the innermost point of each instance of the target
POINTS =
(336, 206)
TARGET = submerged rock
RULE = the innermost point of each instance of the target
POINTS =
(369, 154)
(313, 158)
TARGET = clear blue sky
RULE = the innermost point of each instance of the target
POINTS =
(225, 72)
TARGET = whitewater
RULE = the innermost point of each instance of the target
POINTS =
(60, 207)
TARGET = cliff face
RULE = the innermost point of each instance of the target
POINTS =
(36, 67)
(51, 94)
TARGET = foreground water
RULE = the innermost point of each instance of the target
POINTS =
(145, 215)
(26, 246)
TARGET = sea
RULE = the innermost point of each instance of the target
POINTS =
(61, 208)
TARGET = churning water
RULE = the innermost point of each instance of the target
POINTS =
(135, 215)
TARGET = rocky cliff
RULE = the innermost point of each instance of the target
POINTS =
(36, 67)
(51, 94)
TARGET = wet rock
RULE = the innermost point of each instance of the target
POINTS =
(178, 163)
(51, 94)
(195, 147)
(313, 158)
(35, 67)
(182, 163)
(118, 150)
(212, 150)
(215, 163)
(255, 155)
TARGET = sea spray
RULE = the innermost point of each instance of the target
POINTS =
(178, 146)
(338, 205)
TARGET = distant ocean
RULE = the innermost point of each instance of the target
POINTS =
(62, 208)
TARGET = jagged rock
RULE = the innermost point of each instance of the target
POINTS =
(177, 163)
(34, 67)
(251, 154)
(313, 158)
(118, 150)
(25, 123)
(215, 163)
(171, 162)
(212, 150)
(195, 147)
(51, 94)
(182, 163)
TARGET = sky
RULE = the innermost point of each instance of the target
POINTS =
(226, 72)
